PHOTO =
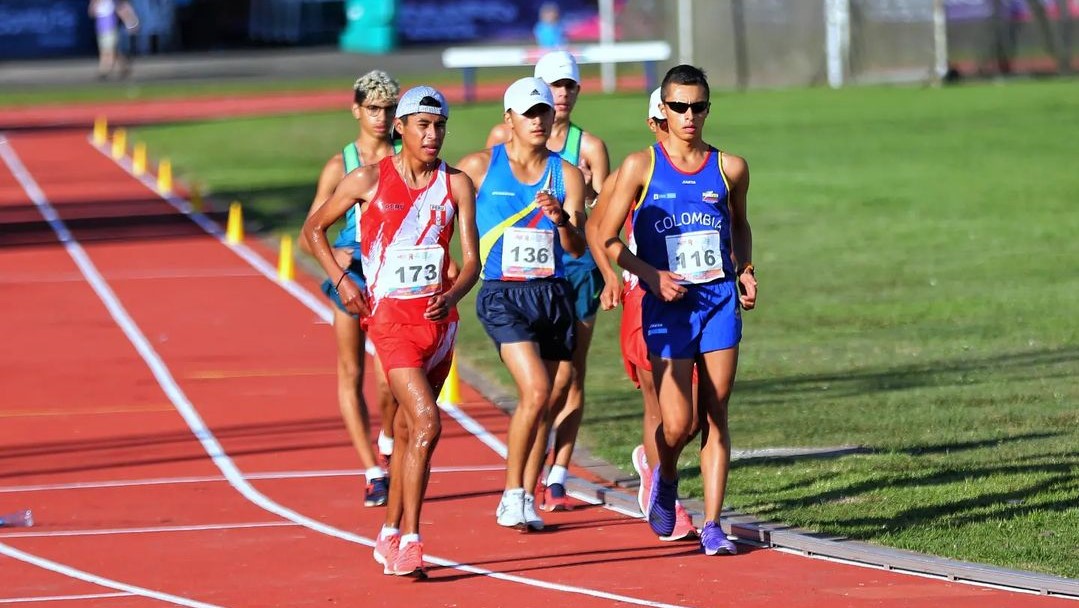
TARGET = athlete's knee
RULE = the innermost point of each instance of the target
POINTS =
(536, 396)
(677, 429)
(426, 433)
(349, 371)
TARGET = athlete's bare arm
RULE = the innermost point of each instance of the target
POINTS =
(332, 172)
(499, 134)
(595, 164)
(612, 283)
(737, 171)
(572, 234)
(359, 185)
(475, 166)
(626, 189)
(464, 195)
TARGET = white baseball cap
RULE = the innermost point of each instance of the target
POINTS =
(557, 65)
(527, 93)
(412, 102)
(654, 101)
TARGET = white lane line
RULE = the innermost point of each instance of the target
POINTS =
(19, 171)
(150, 530)
(217, 453)
(125, 483)
(82, 575)
(190, 415)
(61, 598)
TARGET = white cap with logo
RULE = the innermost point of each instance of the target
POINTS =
(557, 65)
(525, 93)
(412, 102)
(654, 101)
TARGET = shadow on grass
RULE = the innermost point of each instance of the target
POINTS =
(1028, 365)
(1041, 483)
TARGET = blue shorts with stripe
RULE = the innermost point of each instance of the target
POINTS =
(540, 311)
(355, 273)
(708, 318)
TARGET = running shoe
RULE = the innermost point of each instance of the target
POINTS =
(661, 504)
(683, 525)
(644, 490)
(378, 491)
(714, 541)
(386, 551)
(409, 561)
(555, 499)
(511, 510)
(532, 519)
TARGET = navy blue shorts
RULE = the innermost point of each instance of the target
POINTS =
(706, 319)
(539, 311)
(355, 272)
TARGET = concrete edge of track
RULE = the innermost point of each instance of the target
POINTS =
(620, 493)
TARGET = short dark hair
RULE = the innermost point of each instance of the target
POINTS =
(687, 75)
(430, 101)
(426, 101)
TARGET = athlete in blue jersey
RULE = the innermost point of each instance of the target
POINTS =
(588, 152)
(529, 209)
(694, 246)
(374, 102)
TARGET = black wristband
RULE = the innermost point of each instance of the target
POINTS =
(338, 284)
(561, 223)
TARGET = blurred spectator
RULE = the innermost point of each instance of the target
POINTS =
(108, 15)
(549, 32)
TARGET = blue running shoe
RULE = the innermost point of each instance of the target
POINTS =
(661, 514)
(714, 541)
(378, 491)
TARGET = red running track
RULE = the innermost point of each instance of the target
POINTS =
(150, 111)
(210, 467)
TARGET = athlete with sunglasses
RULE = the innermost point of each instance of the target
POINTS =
(693, 252)
(634, 350)
(373, 105)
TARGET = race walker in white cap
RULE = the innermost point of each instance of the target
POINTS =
(529, 210)
(408, 205)
(588, 152)
(373, 105)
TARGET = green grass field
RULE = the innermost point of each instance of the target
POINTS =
(916, 251)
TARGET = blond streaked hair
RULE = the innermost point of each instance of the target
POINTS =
(376, 84)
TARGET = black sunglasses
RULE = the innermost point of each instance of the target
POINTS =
(680, 107)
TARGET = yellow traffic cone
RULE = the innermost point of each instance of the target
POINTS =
(234, 229)
(101, 131)
(119, 143)
(197, 204)
(138, 159)
(164, 176)
(284, 260)
(451, 390)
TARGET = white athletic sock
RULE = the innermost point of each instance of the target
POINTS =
(407, 539)
(513, 492)
(557, 475)
(385, 444)
(374, 473)
(388, 531)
